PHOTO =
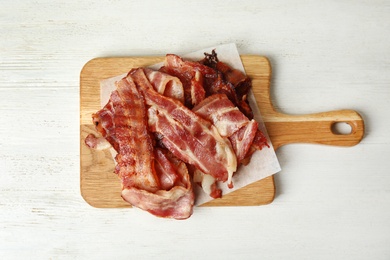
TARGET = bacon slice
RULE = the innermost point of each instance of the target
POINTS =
(220, 86)
(165, 170)
(259, 142)
(222, 113)
(163, 190)
(232, 82)
(188, 136)
(135, 159)
(176, 203)
(234, 76)
(242, 139)
(175, 199)
(197, 91)
(104, 123)
(230, 122)
(165, 84)
(191, 75)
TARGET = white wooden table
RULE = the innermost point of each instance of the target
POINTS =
(331, 203)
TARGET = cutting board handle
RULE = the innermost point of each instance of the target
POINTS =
(316, 128)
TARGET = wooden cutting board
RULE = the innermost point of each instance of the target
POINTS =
(101, 188)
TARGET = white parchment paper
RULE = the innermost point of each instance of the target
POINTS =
(264, 163)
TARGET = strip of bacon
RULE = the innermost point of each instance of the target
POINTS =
(175, 199)
(197, 91)
(135, 159)
(191, 75)
(104, 123)
(232, 82)
(188, 136)
(230, 122)
(242, 139)
(176, 203)
(222, 113)
(165, 84)
(220, 86)
(165, 170)
(234, 76)
(150, 180)
(259, 142)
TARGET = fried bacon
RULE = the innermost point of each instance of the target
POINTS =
(207, 77)
(175, 199)
(188, 136)
(219, 110)
(135, 158)
(230, 122)
(164, 192)
(165, 84)
(259, 142)
(191, 75)
(176, 203)
(232, 82)
(104, 124)
(242, 140)
(187, 118)
(122, 121)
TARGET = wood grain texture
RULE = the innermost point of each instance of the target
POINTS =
(100, 187)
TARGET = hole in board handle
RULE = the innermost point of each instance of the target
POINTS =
(341, 128)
